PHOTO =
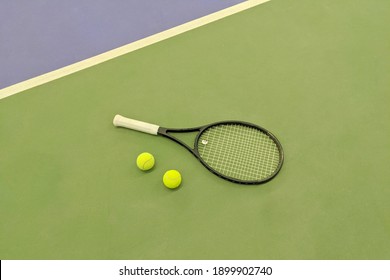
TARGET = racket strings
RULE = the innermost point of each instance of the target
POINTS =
(238, 151)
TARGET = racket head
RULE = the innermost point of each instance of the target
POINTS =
(239, 152)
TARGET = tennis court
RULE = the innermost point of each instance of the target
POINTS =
(315, 73)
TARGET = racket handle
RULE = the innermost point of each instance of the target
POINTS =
(120, 121)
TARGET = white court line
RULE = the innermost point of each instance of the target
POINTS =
(67, 70)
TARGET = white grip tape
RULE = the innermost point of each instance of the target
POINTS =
(136, 125)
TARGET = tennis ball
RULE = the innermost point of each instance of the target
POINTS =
(145, 161)
(172, 179)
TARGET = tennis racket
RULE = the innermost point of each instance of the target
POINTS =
(237, 151)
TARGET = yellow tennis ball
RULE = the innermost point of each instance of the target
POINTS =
(172, 179)
(145, 161)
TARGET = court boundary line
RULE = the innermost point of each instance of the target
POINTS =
(147, 41)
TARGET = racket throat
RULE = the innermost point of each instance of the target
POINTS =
(184, 138)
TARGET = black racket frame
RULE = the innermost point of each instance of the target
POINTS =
(163, 131)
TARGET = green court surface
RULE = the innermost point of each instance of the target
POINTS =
(315, 73)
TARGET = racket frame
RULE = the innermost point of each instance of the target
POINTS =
(163, 131)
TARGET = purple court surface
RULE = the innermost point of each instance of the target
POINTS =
(40, 36)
